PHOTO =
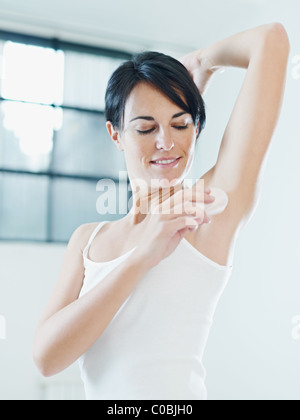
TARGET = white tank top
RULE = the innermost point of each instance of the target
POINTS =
(153, 347)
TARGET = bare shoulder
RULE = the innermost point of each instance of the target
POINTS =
(82, 234)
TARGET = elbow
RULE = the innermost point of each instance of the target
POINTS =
(278, 37)
(43, 366)
(44, 371)
(49, 356)
(43, 360)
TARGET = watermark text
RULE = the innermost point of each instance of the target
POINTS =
(296, 327)
(115, 198)
(2, 327)
(296, 67)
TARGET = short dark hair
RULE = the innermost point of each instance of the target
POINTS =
(161, 71)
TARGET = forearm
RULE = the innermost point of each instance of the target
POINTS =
(239, 49)
(68, 334)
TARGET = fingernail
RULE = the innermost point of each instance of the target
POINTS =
(199, 221)
(207, 219)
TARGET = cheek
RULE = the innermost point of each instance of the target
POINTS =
(137, 154)
(189, 144)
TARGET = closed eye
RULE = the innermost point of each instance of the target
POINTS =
(147, 131)
(181, 127)
(178, 127)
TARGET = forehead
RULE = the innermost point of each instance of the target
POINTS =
(148, 100)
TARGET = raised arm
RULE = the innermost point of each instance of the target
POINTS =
(264, 52)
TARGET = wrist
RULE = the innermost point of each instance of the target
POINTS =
(207, 60)
(140, 263)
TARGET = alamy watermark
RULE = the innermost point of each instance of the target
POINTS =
(2, 327)
(296, 67)
(296, 327)
(112, 201)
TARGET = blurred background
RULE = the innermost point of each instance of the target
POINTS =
(55, 60)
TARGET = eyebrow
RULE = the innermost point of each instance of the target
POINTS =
(152, 119)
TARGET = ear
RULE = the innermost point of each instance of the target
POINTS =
(114, 135)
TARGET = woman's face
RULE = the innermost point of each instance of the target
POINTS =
(155, 129)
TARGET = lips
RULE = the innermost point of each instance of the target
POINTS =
(166, 163)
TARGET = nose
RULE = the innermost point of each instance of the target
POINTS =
(164, 141)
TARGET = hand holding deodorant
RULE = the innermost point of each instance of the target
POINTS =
(220, 203)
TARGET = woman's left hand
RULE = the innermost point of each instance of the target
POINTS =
(200, 68)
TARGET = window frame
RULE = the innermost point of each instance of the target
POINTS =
(57, 45)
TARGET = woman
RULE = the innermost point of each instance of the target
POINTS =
(135, 298)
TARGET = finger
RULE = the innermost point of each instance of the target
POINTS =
(197, 211)
(175, 225)
(187, 194)
(183, 232)
(194, 209)
(206, 196)
(195, 195)
(207, 219)
(187, 208)
(209, 198)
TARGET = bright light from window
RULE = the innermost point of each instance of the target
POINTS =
(33, 125)
(32, 74)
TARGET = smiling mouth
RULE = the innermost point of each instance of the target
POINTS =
(166, 163)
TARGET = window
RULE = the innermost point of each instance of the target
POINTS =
(54, 147)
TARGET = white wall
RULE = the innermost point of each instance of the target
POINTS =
(252, 352)
(28, 274)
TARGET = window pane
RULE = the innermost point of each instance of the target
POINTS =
(32, 74)
(1, 62)
(83, 147)
(26, 135)
(23, 207)
(86, 78)
(77, 202)
(73, 203)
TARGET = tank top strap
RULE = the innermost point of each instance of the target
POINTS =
(92, 237)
